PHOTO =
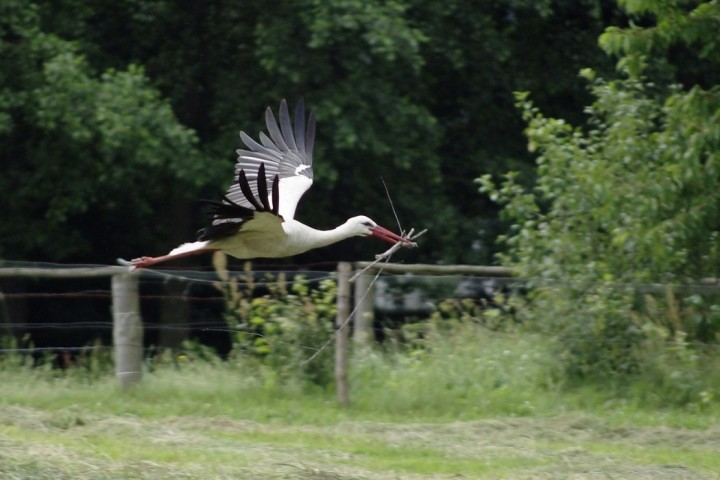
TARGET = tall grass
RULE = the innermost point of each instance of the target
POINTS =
(464, 371)
(469, 373)
(451, 371)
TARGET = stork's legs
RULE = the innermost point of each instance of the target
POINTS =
(144, 262)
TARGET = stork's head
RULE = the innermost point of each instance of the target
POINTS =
(363, 226)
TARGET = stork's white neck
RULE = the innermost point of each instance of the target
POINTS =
(303, 238)
(322, 238)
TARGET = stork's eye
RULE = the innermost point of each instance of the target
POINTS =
(367, 224)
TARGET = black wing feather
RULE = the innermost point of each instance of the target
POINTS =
(245, 188)
(276, 194)
(262, 188)
(218, 230)
(284, 149)
(228, 216)
(285, 153)
(228, 210)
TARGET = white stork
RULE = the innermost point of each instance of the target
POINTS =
(249, 222)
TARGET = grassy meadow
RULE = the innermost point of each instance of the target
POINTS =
(478, 405)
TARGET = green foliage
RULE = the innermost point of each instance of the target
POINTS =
(88, 365)
(691, 23)
(383, 28)
(282, 328)
(417, 92)
(631, 199)
(459, 368)
(451, 314)
(675, 371)
(215, 420)
(78, 144)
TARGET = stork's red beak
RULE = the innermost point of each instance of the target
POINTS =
(387, 235)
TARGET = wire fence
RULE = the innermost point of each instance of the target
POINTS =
(46, 310)
(28, 311)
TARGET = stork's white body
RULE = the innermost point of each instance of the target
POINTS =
(274, 239)
(249, 222)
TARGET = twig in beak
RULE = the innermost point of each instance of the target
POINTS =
(387, 254)
(392, 207)
(409, 244)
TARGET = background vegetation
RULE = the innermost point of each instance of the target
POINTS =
(602, 188)
(116, 117)
(473, 403)
(624, 209)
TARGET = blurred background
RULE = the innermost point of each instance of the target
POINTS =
(575, 142)
(116, 117)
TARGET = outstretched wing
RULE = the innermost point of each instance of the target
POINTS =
(286, 153)
(229, 216)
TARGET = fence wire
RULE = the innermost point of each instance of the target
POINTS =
(208, 278)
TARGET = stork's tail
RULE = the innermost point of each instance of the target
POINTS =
(189, 247)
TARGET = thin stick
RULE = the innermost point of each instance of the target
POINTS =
(383, 256)
(387, 192)
(343, 325)
(387, 254)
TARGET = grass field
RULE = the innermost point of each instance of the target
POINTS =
(408, 420)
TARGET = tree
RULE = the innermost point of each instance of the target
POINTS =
(478, 54)
(630, 200)
(416, 92)
(84, 155)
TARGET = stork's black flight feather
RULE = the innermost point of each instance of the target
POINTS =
(228, 216)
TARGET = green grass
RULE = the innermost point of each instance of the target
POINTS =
(488, 406)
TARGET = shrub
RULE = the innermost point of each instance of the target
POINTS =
(458, 367)
(620, 206)
(281, 328)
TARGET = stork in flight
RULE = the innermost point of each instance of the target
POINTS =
(254, 221)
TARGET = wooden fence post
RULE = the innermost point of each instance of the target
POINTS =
(341, 339)
(364, 310)
(127, 330)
